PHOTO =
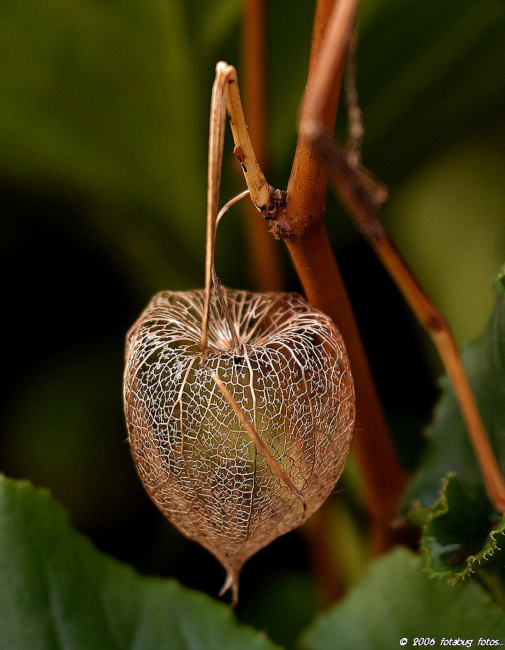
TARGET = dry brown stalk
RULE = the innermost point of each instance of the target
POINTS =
(362, 197)
(303, 230)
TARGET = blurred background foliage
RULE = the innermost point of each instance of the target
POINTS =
(103, 143)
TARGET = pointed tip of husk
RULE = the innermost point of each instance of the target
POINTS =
(231, 582)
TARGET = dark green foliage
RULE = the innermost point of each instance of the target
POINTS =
(462, 535)
(59, 592)
(463, 532)
(381, 610)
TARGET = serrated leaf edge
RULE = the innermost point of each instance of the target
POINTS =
(441, 507)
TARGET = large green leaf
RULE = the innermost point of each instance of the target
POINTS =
(397, 600)
(58, 591)
(462, 530)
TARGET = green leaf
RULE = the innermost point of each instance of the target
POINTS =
(462, 531)
(397, 600)
(58, 591)
(461, 537)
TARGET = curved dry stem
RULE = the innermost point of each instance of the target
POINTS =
(226, 96)
(229, 205)
(430, 316)
(258, 186)
(216, 285)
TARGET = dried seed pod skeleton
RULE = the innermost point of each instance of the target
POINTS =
(240, 406)
(212, 377)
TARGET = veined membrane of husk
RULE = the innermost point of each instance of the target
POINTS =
(288, 371)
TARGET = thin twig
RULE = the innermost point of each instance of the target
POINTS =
(355, 125)
(214, 166)
(435, 322)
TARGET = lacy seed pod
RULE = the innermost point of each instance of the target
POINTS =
(239, 449)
